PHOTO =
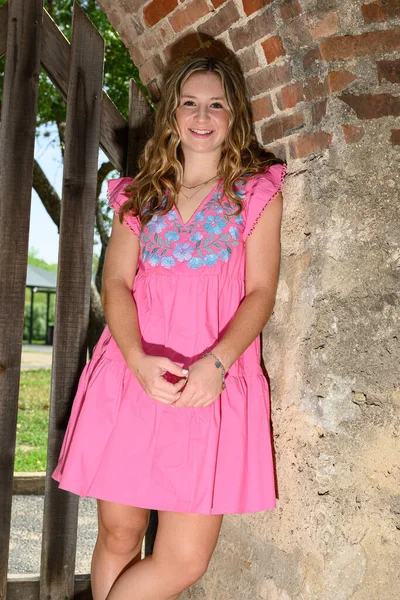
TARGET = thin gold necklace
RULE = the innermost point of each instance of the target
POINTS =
(193, 187)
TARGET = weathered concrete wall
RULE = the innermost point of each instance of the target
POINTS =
(324, 78)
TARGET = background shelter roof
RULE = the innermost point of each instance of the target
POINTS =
(41, 278)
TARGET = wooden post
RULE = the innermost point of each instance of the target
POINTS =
(73, 292)
(17, 142)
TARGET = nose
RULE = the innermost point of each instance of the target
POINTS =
(202, 113)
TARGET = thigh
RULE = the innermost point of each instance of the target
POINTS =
(119, 518)
(186, 537)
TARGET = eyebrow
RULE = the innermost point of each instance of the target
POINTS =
(213, 98)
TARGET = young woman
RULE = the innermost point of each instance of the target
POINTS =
(172, 412)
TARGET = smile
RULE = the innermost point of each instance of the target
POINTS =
(202, 132)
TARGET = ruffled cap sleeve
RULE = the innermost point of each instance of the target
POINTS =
(116, 198)
(261, 189)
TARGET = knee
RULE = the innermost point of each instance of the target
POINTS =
(119, 538)
(189, 569)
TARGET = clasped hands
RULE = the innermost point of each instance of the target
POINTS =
(198, 387)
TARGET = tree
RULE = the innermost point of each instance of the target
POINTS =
(51, 115)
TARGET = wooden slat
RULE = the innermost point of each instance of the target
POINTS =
(73, 292)
(26, 587)
(3, 28)
(141, 123)
(17, 141)
(55, 59)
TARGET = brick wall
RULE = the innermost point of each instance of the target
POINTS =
(299, 56)
(324, 81)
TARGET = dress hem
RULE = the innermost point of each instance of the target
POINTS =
(259, 508)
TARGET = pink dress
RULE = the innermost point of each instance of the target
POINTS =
(123, 446)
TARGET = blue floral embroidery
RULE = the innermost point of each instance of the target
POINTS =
(239, 220)
(156, 224)
(196, 237)
(214, 224)
(154, 260)
(168, 262)
(195, 262)
(212, 234)
(200, 216)
(210, 260)
(234, 231)
(172, 235)
(224, 255)
(183, 251)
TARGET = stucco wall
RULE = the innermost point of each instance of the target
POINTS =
(324, 79)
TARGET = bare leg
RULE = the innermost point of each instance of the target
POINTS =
(118, 545)
(183, 547)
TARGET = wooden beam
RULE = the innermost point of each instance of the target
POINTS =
(26, 587)
(55, 58)
(17, 142)
(73, 292)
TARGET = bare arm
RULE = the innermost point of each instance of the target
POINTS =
(262, 271)
(119, 307)
(121, 315)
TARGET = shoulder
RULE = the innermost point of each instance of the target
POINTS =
(271, 179)
(260, 190)
(116, 191)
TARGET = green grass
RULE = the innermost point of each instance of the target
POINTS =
(33, 418)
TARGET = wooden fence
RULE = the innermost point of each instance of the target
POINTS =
(30, 40)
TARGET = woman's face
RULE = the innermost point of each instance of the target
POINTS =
(203, 114)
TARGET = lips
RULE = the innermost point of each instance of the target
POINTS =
(201, 133)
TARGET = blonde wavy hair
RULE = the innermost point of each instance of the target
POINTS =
(155, 187)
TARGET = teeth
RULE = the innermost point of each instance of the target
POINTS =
(201, 131)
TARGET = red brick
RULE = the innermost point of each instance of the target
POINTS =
(307, 144)
(366, 44)
(258, 27)
(352, 133)
(315, 89)
(218, 3)
(290, 9)
(221, 21)
(395, 137)
(190, 14)
(136, 55)
(318, 111)
(250, 6)
(157, 10)
(367, 106)
(269, 78)
(282, 127)
(291, 95)
(389, 70)
(297, 32)
(262, 108)
(273, 48)
(337, 81)
(249, 59)
(185, 45)
(328, 26)
(382, 10)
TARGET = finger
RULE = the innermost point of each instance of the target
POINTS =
(172, 367)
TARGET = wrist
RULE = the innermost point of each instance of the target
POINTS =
(134, 355)
(218, 364)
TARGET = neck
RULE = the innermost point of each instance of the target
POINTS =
(199, 167)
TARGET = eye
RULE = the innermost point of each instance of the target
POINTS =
(217, 105)
(188, 103)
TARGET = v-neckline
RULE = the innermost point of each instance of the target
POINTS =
(199, 206)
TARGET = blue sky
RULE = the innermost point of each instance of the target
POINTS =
(43, 235)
